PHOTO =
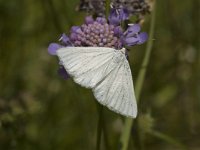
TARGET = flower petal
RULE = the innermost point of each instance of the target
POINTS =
(89, 20)
(114, 17)
(142, 37)
(132, 30)
(130, 41)
(73, 36)
(75, 29)
(65, 40)
(53, 47)
(124, 14)
(101, 20)
(63, 73)
(118, 31)
(118, 15)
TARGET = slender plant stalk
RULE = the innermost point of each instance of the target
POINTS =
(124, 140)
(107, 8)
(105, 136)
(99, 126)
(53, 14)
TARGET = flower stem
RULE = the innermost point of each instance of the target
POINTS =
(99, 127)
(107, 8)
(105, 136)
(124, 140)
(54, 15)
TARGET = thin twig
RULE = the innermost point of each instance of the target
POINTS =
(107, 7)
(106, 141)
(54, 15)
(128, 122)
(99, 127)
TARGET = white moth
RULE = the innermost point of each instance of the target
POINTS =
(106, 71)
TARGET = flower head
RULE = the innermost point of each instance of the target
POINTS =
(92, 6)
(118, 15)
(133, 36)
(138, 8)
(95, 33)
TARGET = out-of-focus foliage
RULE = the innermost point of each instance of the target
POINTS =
(39, 110)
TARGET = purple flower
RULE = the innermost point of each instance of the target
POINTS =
(132, 30)
(65, 40)
(89, 20)
(118, 15)
(133, 36)
(118, 31)
(75, 29)
(63, 73)
(130, 41)
(53, 47)
(73, 36)
(142, 37)
(138, 8)
(101, 20)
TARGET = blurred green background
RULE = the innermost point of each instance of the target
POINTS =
(39, 110)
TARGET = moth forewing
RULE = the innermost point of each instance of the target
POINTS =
(106, 71)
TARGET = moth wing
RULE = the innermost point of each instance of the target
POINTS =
(87, 65)
(116, 90)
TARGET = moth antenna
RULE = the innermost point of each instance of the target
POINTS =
(117, 10)
(60, 38)
(130, 24)
(111, 5)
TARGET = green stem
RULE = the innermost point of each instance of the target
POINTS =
(107, 8)
(54, 15)
(124, 140)
(167, 138)
(99, 127)
(107, 147)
